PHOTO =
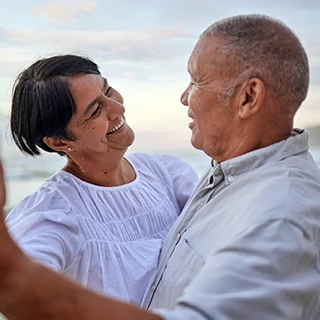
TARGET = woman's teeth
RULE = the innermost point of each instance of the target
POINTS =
(117, 127)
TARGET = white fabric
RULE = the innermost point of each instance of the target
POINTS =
(107, 238)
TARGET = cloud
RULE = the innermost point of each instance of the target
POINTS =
(144, 44)
(314, 56)
(13, 60)
(315, 76)
(200, 12)
(63, 12)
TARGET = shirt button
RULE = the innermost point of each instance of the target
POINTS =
(178, 236)
(231, 178)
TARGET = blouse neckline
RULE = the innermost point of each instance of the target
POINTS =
(91, 185)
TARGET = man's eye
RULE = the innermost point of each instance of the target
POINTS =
(96, 112)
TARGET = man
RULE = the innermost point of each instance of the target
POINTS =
(247, 244)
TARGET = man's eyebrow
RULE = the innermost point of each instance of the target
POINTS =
(94, 102)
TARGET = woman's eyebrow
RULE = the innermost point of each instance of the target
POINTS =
(94, 101)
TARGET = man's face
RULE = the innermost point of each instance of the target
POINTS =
(213, 117)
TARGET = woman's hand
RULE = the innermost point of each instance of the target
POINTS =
(2, 188)
(9, 251)
(7, 247)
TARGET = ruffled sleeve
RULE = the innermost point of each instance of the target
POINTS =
(44, 229)
(183, 176)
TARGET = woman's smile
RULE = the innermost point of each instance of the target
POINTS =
(117, 127)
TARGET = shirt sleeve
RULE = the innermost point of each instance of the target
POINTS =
(44, 229)
(271, 272)
(183, 176)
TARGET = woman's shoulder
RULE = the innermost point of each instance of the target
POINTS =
(47, 199)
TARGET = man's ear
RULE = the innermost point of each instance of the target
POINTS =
(251, 97)
(56, 144)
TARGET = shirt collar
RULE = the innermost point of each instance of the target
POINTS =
(295, 144)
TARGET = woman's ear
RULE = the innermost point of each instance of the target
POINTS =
(251, 97)
(56, 144)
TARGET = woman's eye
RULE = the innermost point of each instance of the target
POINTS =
(96, 112)
(108, 92)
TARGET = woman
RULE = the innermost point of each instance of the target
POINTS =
(100, 219)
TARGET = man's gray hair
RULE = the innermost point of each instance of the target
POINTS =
(260, 46)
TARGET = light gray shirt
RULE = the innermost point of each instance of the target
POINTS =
(247, 245)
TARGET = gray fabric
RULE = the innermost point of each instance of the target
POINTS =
(246, 246)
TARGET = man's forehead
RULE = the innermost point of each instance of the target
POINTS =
(205, 52)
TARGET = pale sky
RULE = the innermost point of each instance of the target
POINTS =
(142, 47)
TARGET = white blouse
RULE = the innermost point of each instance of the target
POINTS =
(106, 238)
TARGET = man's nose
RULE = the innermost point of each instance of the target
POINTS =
(184, 97)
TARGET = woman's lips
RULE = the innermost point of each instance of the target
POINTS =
(117, 127)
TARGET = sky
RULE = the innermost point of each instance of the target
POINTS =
(142, 47)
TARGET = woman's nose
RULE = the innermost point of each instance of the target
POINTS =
(115, 109)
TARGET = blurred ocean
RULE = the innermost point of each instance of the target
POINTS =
(25, 174)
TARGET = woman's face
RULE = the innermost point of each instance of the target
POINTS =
(98, 125)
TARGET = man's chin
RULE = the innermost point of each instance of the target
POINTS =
(196, 144)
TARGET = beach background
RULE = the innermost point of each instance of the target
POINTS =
(142, 47)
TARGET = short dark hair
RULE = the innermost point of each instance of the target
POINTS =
(42, 104)
(262, 46)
